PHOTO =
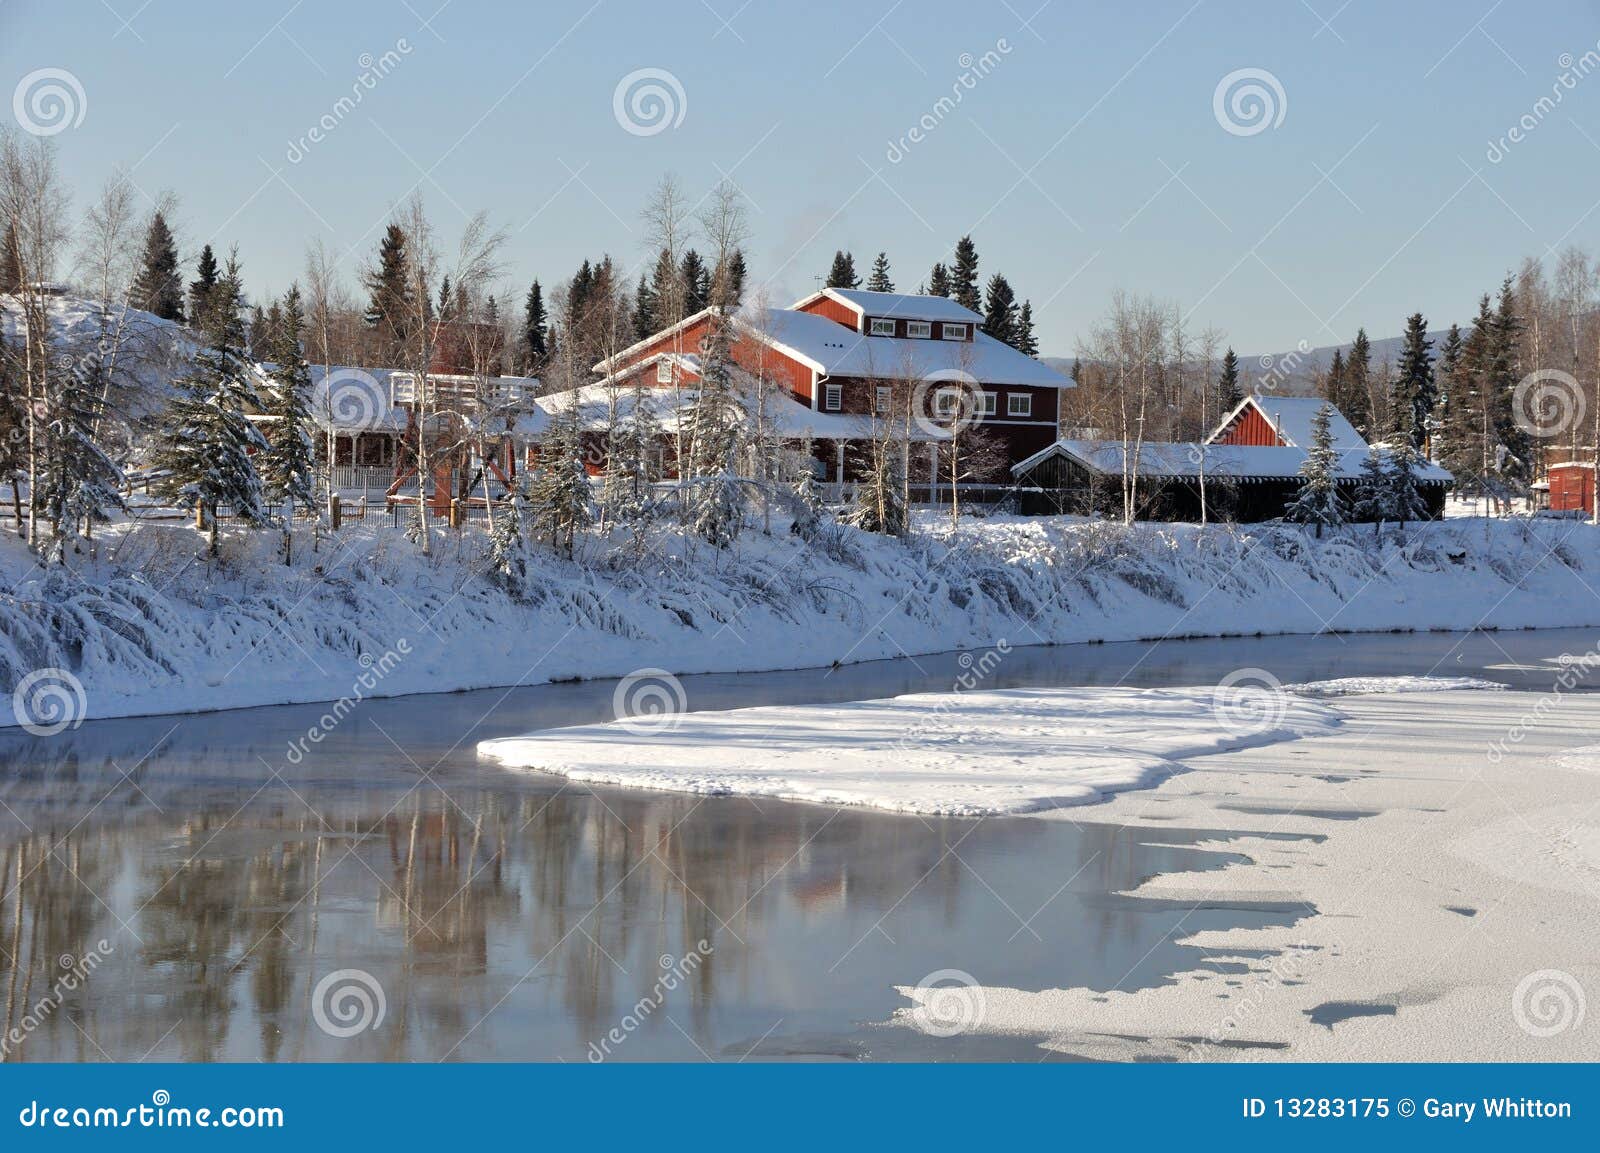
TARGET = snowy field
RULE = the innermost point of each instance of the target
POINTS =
(1445, 853)
(146, 623)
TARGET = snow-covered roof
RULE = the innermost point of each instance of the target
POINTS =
(901, 304)
(1291, 416)
(784, 416)
(835, 350)
(1220, 461)
(346, 399)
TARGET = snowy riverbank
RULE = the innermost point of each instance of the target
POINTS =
(150, 625)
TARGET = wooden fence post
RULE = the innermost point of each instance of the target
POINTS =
(336, 513)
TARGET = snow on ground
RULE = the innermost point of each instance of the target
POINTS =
(957, 754)
(1448, 916)
(146, 623)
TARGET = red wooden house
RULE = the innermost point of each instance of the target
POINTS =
(842, 356)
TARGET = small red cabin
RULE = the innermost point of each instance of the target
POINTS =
(1572, 487)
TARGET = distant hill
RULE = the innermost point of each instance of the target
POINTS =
(1293, 373)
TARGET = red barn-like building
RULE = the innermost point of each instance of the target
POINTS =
(841, 356)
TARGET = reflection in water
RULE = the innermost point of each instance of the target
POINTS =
(524, 919)
(516, 916)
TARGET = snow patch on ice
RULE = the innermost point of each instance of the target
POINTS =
(952, 754)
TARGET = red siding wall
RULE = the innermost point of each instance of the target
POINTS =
(1250, 428)
(1572, 487)
(833, 310)
(750, 354)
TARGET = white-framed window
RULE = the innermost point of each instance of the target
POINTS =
(986, 403)
(947, 402)
(919, 329)
(952, 332)
(884, 397)
(1019, 404)
(882, 326)
(833, 397)
(664, 372)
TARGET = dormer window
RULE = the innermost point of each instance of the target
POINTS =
(919, 329)
(952, 332)
(882, 326)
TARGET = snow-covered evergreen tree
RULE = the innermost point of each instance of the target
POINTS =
(939, 281)
(508, 545)
(288, 466)
(964, 275)
(1415, 393)
(1374, 494)
(205, 439)
(77, 479)
(1319, 502)
(880, 493)
(807, 504)
(626, 489)
(1000, 310)
(560, 490)
(1405, 499)
(716, 438)
(158, 288)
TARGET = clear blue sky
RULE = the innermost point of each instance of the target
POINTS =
(1088, 158)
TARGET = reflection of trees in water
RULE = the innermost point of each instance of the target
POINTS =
(450, 901)
(49, 914)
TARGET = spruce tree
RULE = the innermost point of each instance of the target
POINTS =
(716, 430)
(560, 490)
(939, 281)
(695, 279)
(389, 306)
(201, 287)
(1000, 311)
(1332, 389)
(1319, 501)
(645, 324)
(1504, 371)
(964, 275)
(1354, 398)
(1414, 391)
(158, 288)
(1026, 343)
(1374, 490)
(288, 465)
(626, 485)
(508, 552)
(843, 272)
(1466, 443)
(733, 278)
(535, 347)
(204, 444)
(1405, 496)
(1229, 391)
(878, 279)
(76, 479)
